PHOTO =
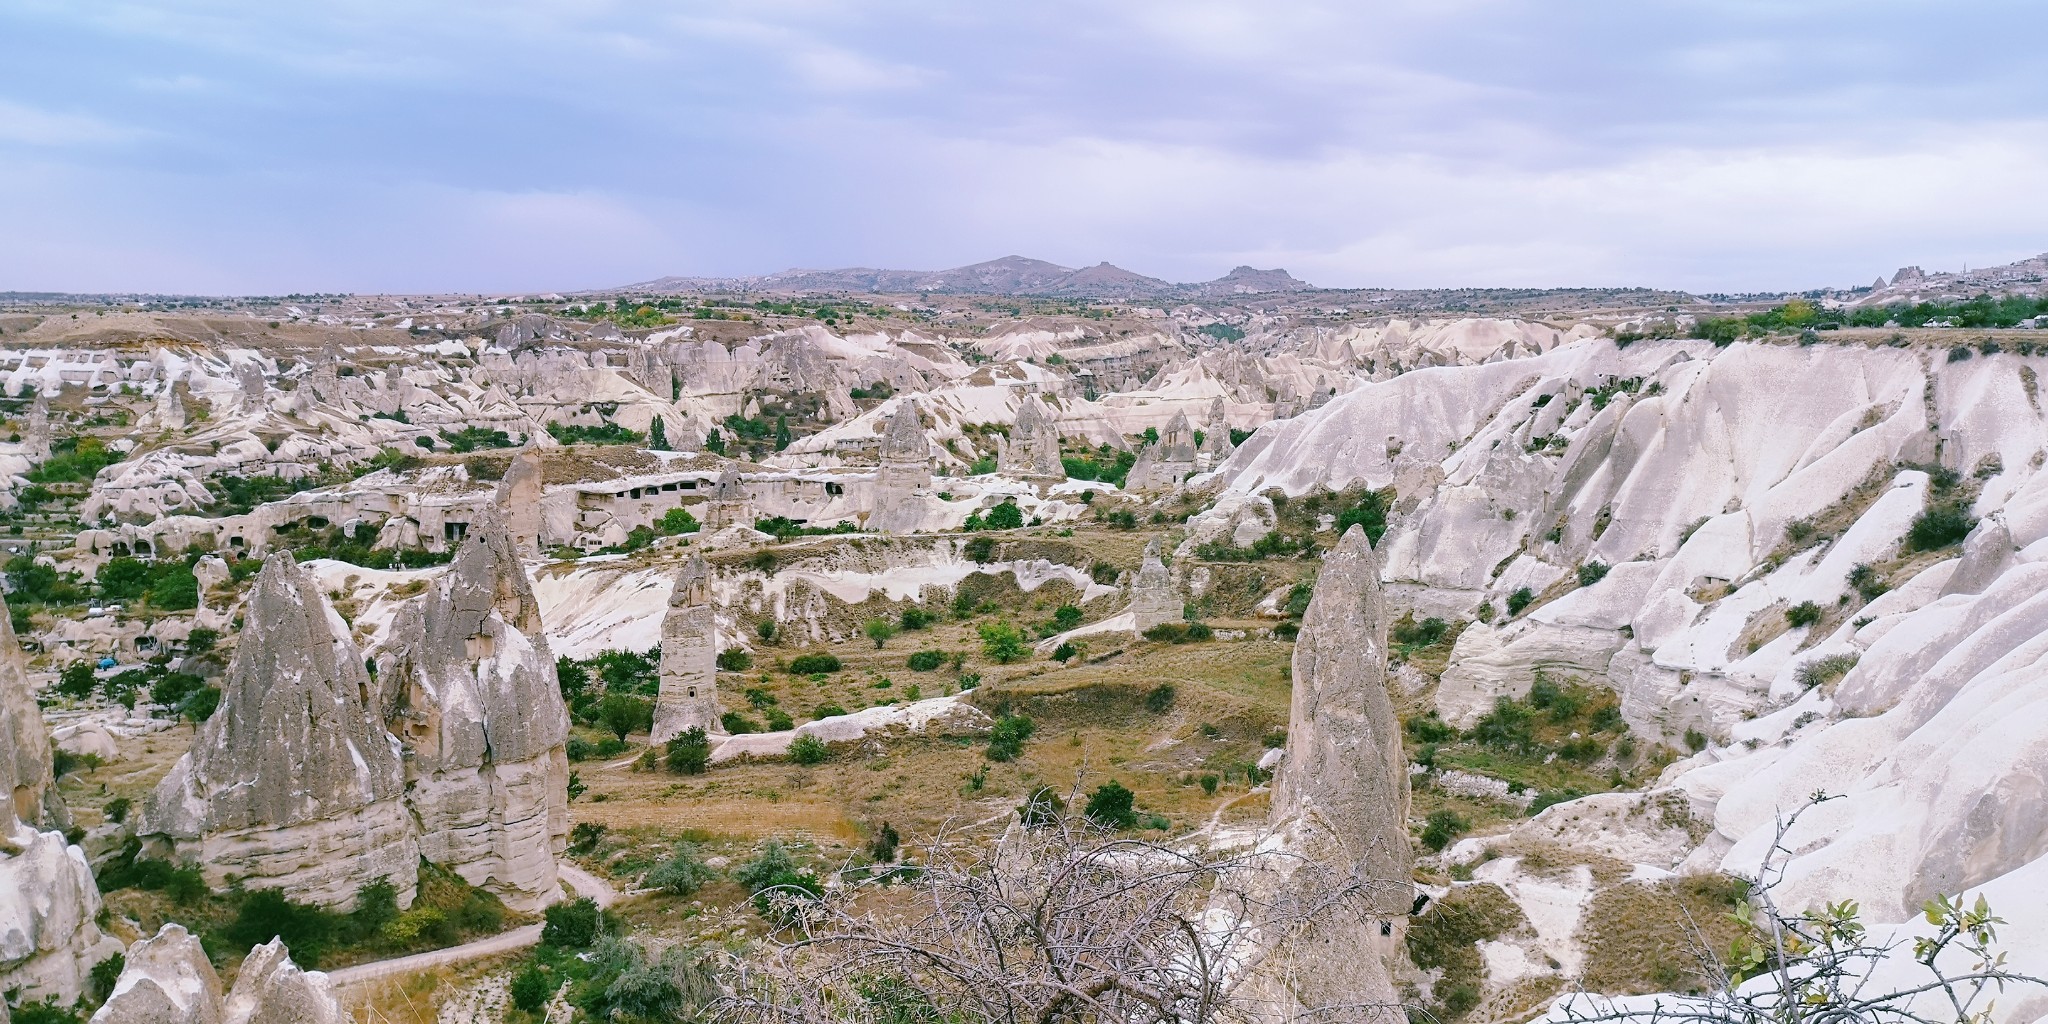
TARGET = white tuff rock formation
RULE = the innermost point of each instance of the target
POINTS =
(1154, 599)
(1340, 806)
(1033, 448)
(689, 658)
(906, 472)
(470, 692)
(293, 783)
(166, 978)
(271, 989)
(48, 939)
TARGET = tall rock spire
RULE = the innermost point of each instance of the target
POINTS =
(471, 693)
(293, 781)
(1340, 805)
(689, 657)
(905, 470)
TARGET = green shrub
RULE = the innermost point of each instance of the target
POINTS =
(1519, 600)
(813, 664)
(1591, 573)
(738, 724)
(1002, 642)
(531, 989)
(1939, 526)
(1442, 827)
(1805, 613)
(1209, 783)
(682, 874)
(927, 661)
(1065, 652)
(914, 617)
(809, 750)
(1159, 698)
(688, 753)
(1111, 806)
(1042, 807)
(1006, 738)
(572, 924)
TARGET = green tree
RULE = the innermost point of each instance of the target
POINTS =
(689, 753)
(714, 442)
(573, 924)
(1111, 806)
(782, 435)
(531, 989)
(657, 435)
(1003, 643)
(1005, 516)
(879, 630)
(682, 874)
(623, 714)
(809, 750)
(122, 579)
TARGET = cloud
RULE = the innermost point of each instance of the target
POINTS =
(20, 123)
(565, 143)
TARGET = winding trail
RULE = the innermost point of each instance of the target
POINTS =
(582, 881)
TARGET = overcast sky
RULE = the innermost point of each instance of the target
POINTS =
(506, 145)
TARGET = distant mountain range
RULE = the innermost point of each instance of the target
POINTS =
(1011, 275)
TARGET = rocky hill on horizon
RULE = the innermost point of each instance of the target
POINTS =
(1010, 275)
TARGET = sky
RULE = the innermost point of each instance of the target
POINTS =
(243, 147)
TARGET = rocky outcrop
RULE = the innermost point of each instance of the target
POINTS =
(1164, 465)
(24, 741)
(48, 939)
(518, 502)
(35, 441)
(1154, 599)
(1340, 805)
(1033, 448)
(689, 658)
(470, 692)
(293, 782)
(905, 471)
(271, 989)
(166, 978)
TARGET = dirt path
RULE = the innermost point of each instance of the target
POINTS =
(578, 879)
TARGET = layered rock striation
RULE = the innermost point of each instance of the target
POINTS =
(294, 781)
(470, 692)
(688, 698)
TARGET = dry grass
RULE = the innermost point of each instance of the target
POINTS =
(1643, 937)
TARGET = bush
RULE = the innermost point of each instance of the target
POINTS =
(623, 714)
(1006, 738)
(1159, 698)
(1111, 806)
(1519, 600)
(926, 661)
(1180, 633)
(1065, 652)
(809, 750)
(1822, 671)
(573, 924)
(1209, 783)
(688, 753)
(531, 989)
(883, 847)
(1591, 573)
(1939, 526)
(1429, 728)
(735, 659)
(1441, 828)
(266, 914)
(682, 874)
(813, 664)
(1003, 643)
(914, 617)
(1868, 584)
(1042, 807)
(1427, 633)
(738, 724)
(1805, 613)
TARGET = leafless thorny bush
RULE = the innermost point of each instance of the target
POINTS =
(1824, 967)
(1060, 921)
